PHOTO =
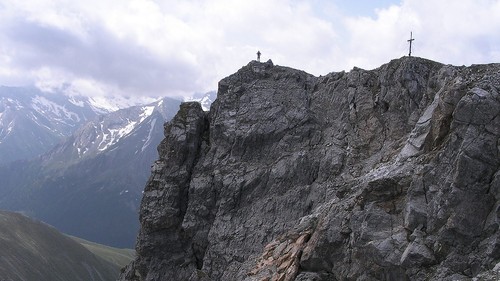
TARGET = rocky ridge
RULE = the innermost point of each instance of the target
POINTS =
(386, 174)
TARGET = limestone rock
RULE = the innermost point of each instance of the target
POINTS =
(387, 174)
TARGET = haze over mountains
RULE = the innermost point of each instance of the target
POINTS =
(78, 163)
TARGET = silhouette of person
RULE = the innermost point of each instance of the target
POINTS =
(258, 56)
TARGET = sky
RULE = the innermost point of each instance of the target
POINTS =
(179, 47)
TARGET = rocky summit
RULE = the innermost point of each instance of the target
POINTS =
(384, 174)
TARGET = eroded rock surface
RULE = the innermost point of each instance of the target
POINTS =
(387, 174)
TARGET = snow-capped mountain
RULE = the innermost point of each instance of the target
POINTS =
(104, 132)
(90, 185)
(32, 122)
(205, 99)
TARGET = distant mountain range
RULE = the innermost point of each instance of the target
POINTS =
(205, 99)
(93, 160)
(32, 122)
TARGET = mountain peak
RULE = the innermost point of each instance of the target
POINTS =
(105, 131)
(383, 174)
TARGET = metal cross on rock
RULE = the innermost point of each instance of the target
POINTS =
(410, 40)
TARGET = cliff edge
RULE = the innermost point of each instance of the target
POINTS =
(387, 174)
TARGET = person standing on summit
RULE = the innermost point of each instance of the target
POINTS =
(258, 56)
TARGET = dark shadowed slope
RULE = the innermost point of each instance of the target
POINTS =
(31, 250)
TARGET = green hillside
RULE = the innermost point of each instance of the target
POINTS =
(31, 250)
(119, 257)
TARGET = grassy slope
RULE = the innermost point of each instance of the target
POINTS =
(31, 250)
(119, 257)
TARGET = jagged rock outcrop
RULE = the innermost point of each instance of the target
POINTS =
(387, 174)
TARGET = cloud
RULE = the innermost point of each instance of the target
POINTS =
(458, 32)
(157, 47)
(100, 55)
(173, 47)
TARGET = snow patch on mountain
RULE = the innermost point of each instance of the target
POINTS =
(124, 191)
(11, 104)
(59, 112)
(5, 131)
(102, 105)
(107, 104)
(112, 135)
(204, 99)
(147, 141)
(36, 120)
(146, 112)
(77, 101)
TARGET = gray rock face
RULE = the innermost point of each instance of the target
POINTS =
(388, 174)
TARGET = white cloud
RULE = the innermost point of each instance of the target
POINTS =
(174, 47)
(458, 32)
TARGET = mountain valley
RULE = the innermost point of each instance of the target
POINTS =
(89, 180)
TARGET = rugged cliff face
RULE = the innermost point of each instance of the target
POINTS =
(387, 174)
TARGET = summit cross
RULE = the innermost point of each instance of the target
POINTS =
(410, 40)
